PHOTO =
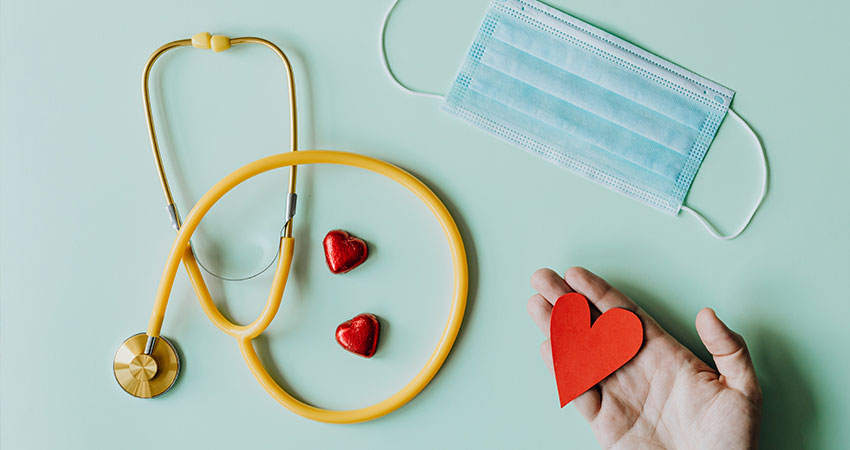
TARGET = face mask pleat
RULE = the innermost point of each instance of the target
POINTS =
(580, 59)
(547, 139)
(542, 17)
(572, 120)
(591, 97)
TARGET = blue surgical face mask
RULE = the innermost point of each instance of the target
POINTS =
(591, 102)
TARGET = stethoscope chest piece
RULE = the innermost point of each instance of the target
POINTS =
(146, 374)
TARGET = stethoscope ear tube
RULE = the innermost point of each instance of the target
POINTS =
(218, 44)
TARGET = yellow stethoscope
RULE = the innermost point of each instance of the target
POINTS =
(147, 365)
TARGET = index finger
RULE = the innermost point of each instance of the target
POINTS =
(549, 284)
(597, 290)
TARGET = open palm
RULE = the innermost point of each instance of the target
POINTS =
(665, 397)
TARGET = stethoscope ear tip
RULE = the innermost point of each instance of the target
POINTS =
(201, 40)
(206, 41)
(143, 372)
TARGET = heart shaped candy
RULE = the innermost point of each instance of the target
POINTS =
(359, 335)
(584, 355)
(343, 252)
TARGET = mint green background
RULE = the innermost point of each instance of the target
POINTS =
(84, 234)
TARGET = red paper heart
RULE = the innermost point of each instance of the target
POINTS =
(343, 252)
(359, 335)
(584, 355)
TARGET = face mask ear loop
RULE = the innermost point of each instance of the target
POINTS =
(708, 226)
(389, 71)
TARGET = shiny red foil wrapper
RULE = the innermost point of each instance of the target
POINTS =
(343, 252)
(360, 335)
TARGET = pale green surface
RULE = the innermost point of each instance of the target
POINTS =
(84, 233)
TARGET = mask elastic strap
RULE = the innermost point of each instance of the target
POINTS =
(389, 71)
(705, 223)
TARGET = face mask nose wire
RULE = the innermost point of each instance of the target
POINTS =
(705, 223)
(386, 62)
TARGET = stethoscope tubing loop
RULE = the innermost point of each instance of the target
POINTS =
(180, 251)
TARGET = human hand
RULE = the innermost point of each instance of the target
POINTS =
(665, 397)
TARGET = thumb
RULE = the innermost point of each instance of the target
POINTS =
(730, 354)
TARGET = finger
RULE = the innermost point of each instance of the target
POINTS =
(730, 354)
(549, 284)
(540, 311)
(588, 403)
(597, 290)
(546, 354)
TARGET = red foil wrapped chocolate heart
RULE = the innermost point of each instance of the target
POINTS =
(359, 335)
(343, 252)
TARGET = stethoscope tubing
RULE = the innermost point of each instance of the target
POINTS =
(180, 251)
